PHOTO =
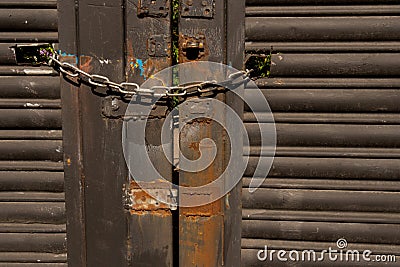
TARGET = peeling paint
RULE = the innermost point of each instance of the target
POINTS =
(64, 54)
(32, 105)
(37, 72)
(139, 64)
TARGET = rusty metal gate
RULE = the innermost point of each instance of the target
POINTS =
(32, 213)
(331, 75)
(111, 221)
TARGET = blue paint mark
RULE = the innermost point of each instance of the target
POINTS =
(64, 54)
(139, 63)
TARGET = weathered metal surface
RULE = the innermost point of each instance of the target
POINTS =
(159, 45)
(327, 168)
(360, 28)
(153, 8)
(197, 9)
(36, 181)
(333, 89)
(336, 65)
(149, 50)
(318, 2)
(38, 212)
(28, 19)
(210, 234)
(98, 140)
(352, 10)
(193, 47)
(32, 220)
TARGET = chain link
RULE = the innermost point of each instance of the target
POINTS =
(131, 89)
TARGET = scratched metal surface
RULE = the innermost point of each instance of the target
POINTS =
(32, 211)
(334, 90)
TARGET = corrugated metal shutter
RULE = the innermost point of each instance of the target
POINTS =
(32, 213)
(334, 90)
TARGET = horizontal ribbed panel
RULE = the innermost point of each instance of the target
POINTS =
(333, 86)
(29, 257)
(28, 20)
(319, 2)
(343, 65)
(32, 210)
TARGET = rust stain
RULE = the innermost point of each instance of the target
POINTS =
(85, 63)
(144, 204)
(201, 231)
(160, 213)
(202, 236)
(154, 65)
(187, 41)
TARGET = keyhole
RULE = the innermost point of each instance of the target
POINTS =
(192, 53)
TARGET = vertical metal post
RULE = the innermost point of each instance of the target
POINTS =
(148, 43)
(93, 31)
(210, 235)
(235, 54)
(72, 140)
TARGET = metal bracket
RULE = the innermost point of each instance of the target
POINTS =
(140, 200)
(153, 8)
(157, 45)
(193, 47)
(197, 8)
(113, 107)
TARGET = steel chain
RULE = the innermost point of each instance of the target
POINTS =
(131, 89)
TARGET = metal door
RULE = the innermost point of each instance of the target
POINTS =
(110, 220)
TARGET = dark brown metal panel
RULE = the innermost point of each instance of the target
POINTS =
(74, 178)
(351, 10)
(28, 20)
(201, 229)
(235, 36)
(209, 235)
(38, 212)
(319, 246)
(149, 50)
(325, 216)
(307, 231)
(36, 181)
(29, 3)
(27, 257)
(39, 119)
(332, 85)
(32, 219)
(318, 2)
(29, 37)
(330, 135)
(331, 65)
(332, 100)
(101, 37)
(30, 87)
(328, 83)
(311, 29)
(24, 242)
(332, 200)
(334, 168)
(324, 47)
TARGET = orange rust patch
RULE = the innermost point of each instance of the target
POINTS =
(154, 65)
(200, 240)
(85, 63)
(195, 146)
(203, 211)
(160, 213)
